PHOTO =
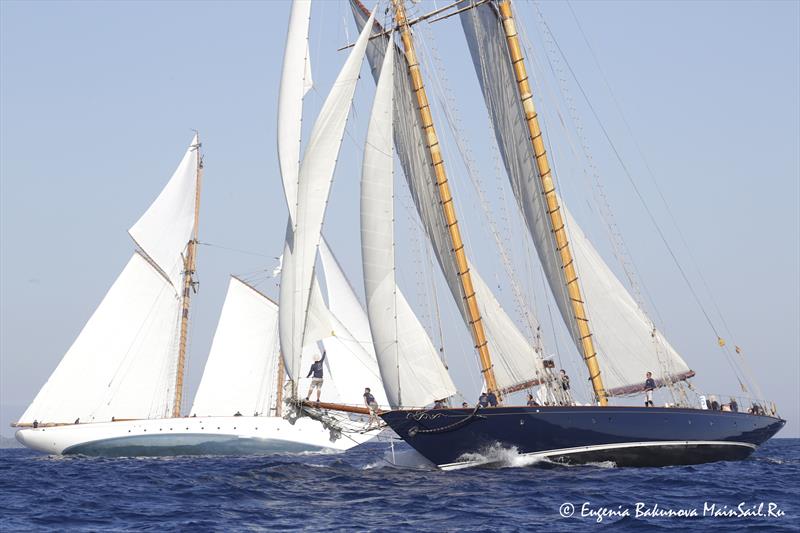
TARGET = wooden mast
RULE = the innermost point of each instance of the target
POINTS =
(553, 208)
(189, 285)
(279, 395)
(446, 199)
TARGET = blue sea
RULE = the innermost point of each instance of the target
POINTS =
(361, 490)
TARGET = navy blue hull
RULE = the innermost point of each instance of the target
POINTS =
(628, 436)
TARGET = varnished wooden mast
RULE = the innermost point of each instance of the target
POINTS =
(432, 141)
(189, 265)
(553, 208)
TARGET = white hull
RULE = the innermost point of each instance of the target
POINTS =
(224, 435)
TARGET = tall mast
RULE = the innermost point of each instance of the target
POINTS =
(189, 286)
(446, 199)
(553, 208)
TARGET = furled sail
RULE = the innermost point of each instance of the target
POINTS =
(122, 364)
(411, 368)
(314, 181)
(295, 83)
(241, 373)
(164, 230)
(624, 336)
(516, 361)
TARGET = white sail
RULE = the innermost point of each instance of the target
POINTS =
(625, 338)
(123, 362)
(411, 368)
(164, 230)
(295, 83)
(514, 353)
(316, 175)
(241, 373)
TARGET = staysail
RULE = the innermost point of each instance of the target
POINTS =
(164, 230)
(241, 373)
(625, 338)
(413, 373)
(515, 360)
(314, 181)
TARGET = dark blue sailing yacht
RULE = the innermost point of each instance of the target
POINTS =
(618, 342)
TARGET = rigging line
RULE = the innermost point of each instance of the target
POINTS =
(247, 252)
(635, 188)
(650, 172)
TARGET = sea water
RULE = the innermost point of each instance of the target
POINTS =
(363, 490)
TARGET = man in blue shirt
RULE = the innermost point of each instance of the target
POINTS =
(315, 373)
(370, 402)
(483, 400)
(649, 387)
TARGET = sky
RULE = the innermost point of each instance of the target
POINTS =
(98, 101)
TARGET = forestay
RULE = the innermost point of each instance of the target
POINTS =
(413, 374)
(164, 230)
(624, 336)
(515, 361)
(316, 174)
(123, 362)
(241, 373)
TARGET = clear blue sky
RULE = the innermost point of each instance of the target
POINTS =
(97, 103)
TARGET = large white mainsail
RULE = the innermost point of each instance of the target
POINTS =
(122, 362)
(516, 361)
(164, 230)
(314, 181)
(241, 373)
(624, 336)
(412, 371)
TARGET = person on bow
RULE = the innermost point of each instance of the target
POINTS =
(649, 387)
(316, 375)
(369, 401)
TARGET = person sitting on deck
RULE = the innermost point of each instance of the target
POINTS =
(369, 401)
(464, 405)
(734, 405)
(315, 373)
(531, 401)
(439, 404)
(483, 400)
(492, 399)
(649, 387)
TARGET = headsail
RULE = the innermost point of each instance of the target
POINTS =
(295, 83)
(242, 366)
(316, 174)
(410, 366)
(624, 336)
(164, 230)
(122, 363)
(515, 360)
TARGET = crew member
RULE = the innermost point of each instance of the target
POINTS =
(315, 373)
(649, 387)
